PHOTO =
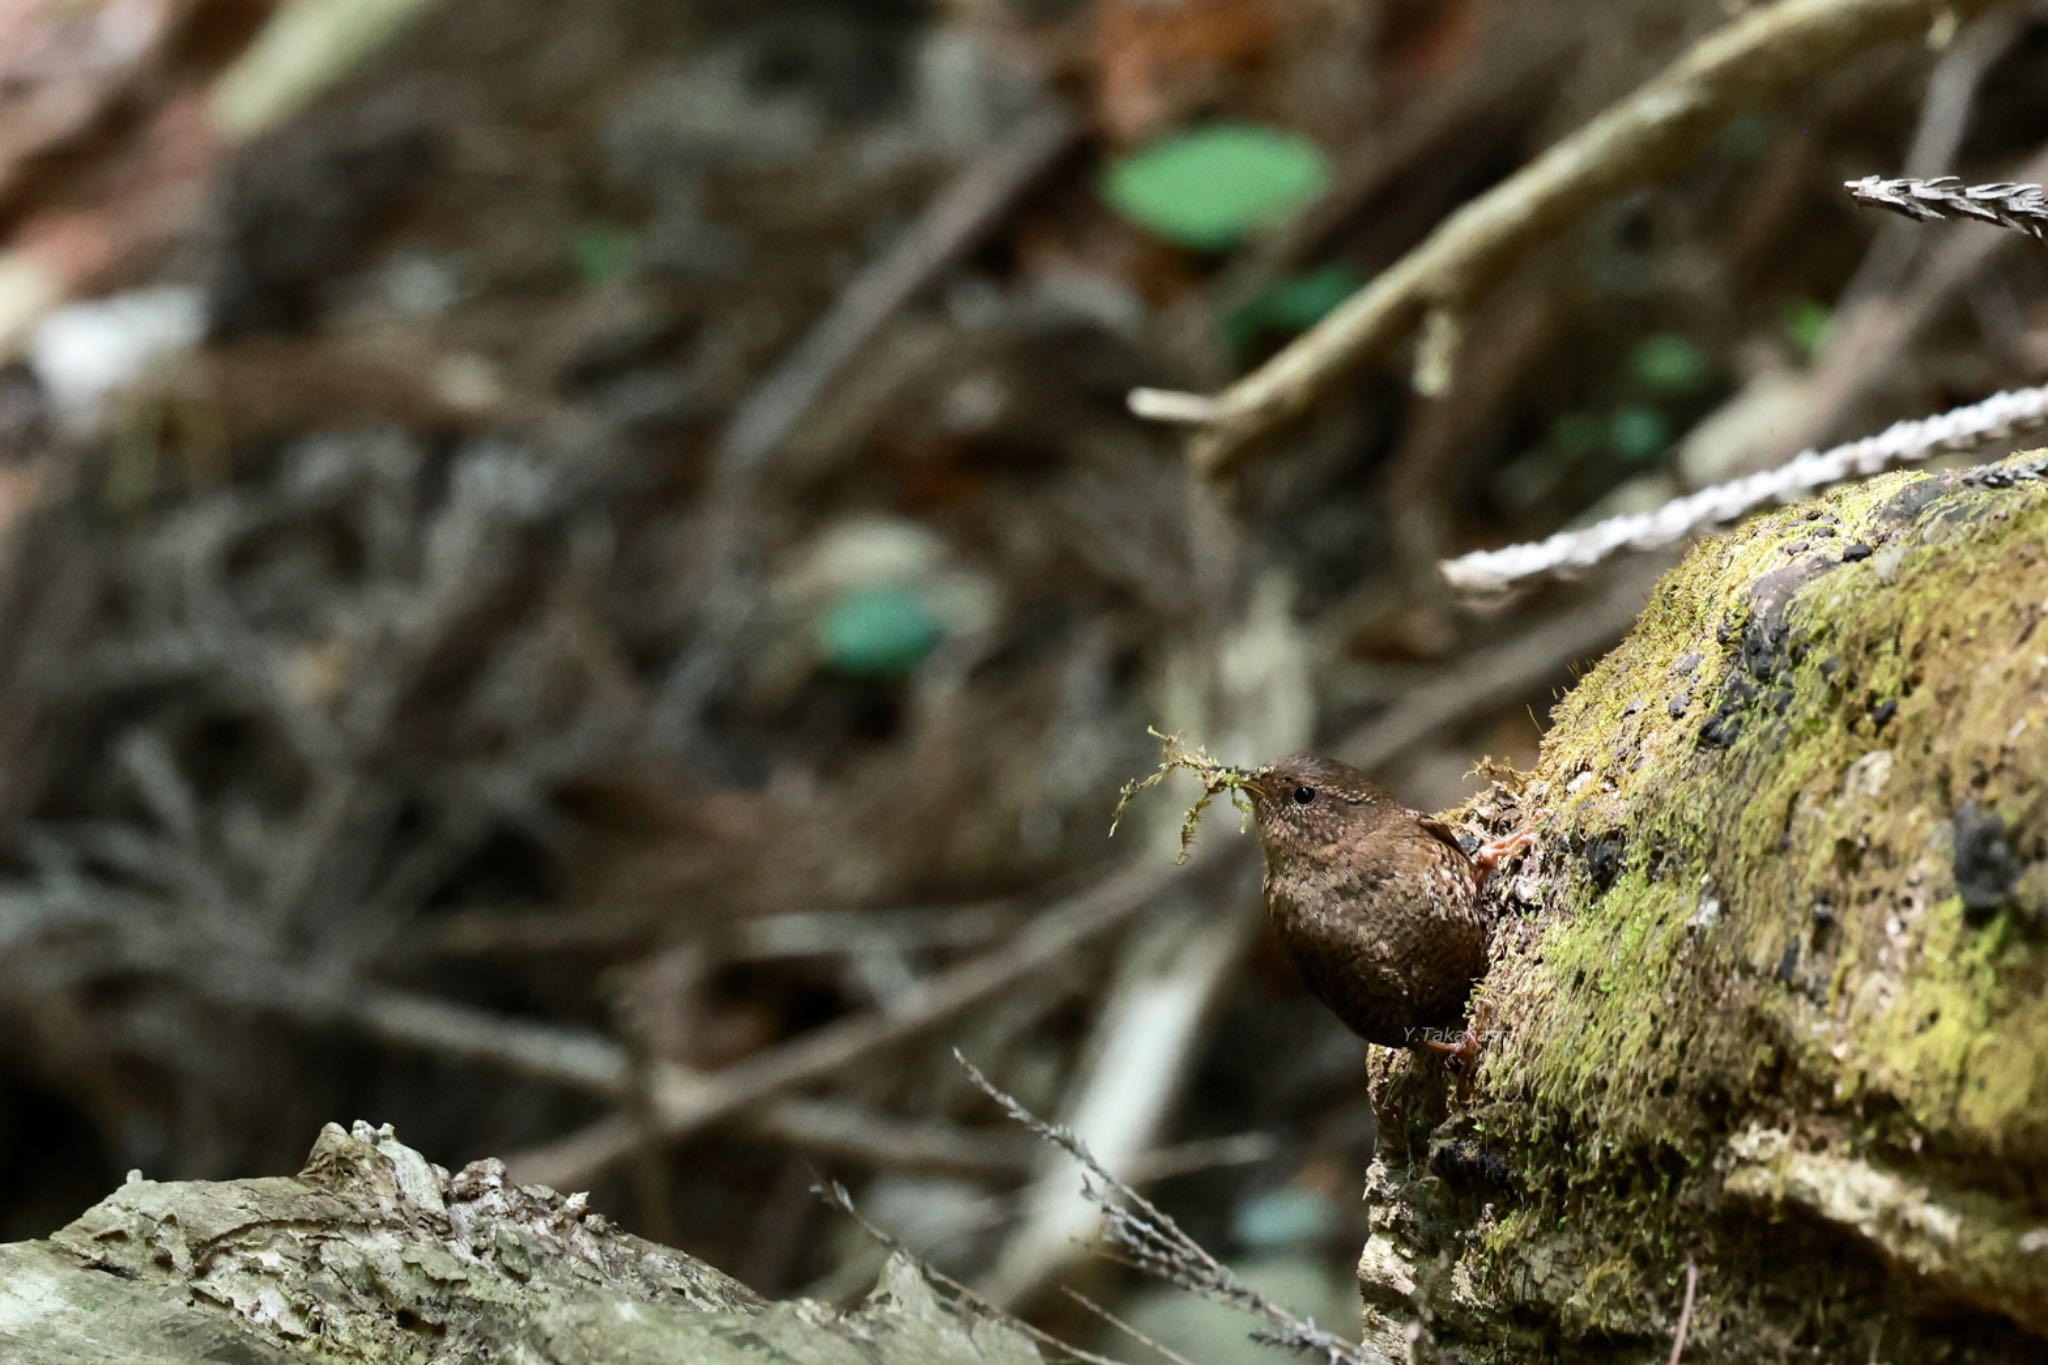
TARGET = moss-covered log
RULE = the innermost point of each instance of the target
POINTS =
(372, 1255)
(1769, 996)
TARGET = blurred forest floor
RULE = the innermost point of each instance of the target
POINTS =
(579, 580)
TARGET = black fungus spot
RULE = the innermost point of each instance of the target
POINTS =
(1796, 548)
(1724, 727)
(1788, 963)
(1604, 856)
(1882, 713)
(1830, 666)
(1686, 664)
(1676, 706)
(1765, 652)
(1469, 1163)
(1986, 867)
(1827, 939)
(1632, 708)
(1852, 554)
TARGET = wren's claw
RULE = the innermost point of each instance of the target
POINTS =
(1463, 1057)
(1464, 1050)
(1500, 850)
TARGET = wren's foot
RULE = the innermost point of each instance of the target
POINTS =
(1461, 1052)
(1500, 850)
(1463, 1058)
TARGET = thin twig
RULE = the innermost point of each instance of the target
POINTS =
(1126, 1328)
(1692, 1284)
(772, 412)
(612, 931)
(1157, 1245)
(1169, 405)
(962, 213)
(835, 1196)
(1661, 125)
(2006, 204)
(1889, 300)
(573, 1161)
(2000, 417)
(583, 1061)
(1143, 1044)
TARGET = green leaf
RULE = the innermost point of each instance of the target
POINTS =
(1289, 306)
(1638, 434)
(1806, 326)
(1208, 188)
(1669, 365)
(878, 633)
(604, 253)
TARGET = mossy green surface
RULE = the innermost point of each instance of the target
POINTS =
(1759, 818)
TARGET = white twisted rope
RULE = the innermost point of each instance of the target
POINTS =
(1997, 418)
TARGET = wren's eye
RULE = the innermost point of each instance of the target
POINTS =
(1304, 796)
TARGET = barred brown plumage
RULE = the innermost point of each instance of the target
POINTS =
(1377, 905)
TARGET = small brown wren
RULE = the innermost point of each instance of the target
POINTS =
(1377, 905)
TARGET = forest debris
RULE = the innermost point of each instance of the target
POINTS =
(1732, 71)
(1217, 778)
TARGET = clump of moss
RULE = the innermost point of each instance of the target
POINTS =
(1218, 779)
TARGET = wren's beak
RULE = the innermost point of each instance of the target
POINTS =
(1249, 779)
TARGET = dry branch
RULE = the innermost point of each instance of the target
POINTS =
(680, 1110)
(1138, 1230)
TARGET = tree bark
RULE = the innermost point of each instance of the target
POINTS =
(372, 1255)
(1768, 995)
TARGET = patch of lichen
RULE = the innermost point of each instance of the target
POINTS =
(1778, 938)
